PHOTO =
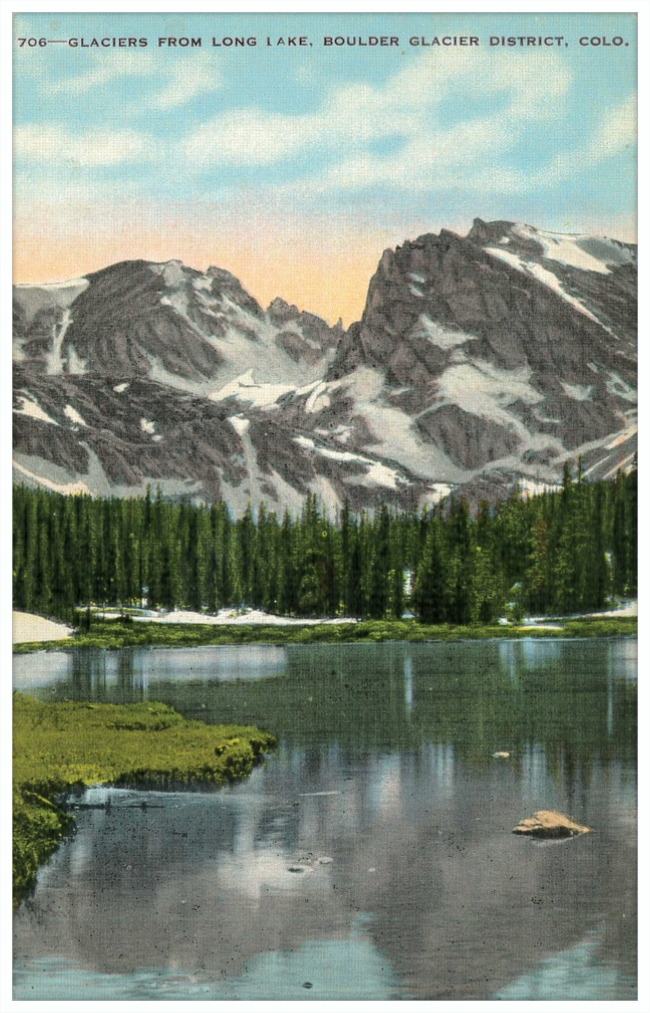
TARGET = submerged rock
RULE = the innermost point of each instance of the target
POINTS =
(547, 823)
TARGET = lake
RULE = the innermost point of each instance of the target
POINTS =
(371, 855)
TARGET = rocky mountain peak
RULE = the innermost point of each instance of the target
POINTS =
(479, 361)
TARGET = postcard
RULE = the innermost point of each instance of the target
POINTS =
(325, 506)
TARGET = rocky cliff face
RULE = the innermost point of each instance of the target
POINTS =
(479, 362)
(167, 322)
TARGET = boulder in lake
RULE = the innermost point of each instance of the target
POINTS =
(550, 824)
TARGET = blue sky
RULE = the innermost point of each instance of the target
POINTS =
(296, 166)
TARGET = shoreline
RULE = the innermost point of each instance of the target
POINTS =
(118, 633)
(140, 745)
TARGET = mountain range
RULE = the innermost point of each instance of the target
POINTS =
(480, 362)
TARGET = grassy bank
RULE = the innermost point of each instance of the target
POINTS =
(117, 633)
(63, 745)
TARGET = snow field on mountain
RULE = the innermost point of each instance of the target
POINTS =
(482, 389)
(540, 274)
(74, 416)
(377, 474)
(32, 299)
(443, 337)
(33, 410)
(587, 253)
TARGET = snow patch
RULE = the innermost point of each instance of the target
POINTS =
(393, 434)
(482, 389)
(34, 411)
(172, 272)
(28, 628)
(564, 248)
(68, 489)
(533, 487)
(121, 387)
(622, 437)
(616, 385)
(55, 359)
(74, 416)
(341, 433)
(245, 388)
(76, 364)
(177, 300)
(624, 465)
(544, 418)
(34, 298)
(416, 292)
(376, 473)
(443, 337)
(577, 391)
(419, 278)
(542, 275)
(319, 394)
(379, 474)
(438, 491)
(147, 427)
(239, 424)
(247, 617)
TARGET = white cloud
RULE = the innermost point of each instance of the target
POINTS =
(105, 69)
(616, 131)
(406, 111)
(170, 85)
(193, 76)
(53, 146)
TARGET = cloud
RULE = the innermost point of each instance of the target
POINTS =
(170, 86)
(106, 69)
(616, 131)
(194, 76)
(52, 146)
(410, 111)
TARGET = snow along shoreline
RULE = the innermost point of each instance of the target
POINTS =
(29, 628)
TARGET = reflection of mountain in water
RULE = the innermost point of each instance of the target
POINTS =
(385, 766)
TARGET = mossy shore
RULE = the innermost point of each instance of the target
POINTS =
(58, 746)
(119, 633)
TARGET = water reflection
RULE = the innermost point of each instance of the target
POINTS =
(575, 698)
(386, 767)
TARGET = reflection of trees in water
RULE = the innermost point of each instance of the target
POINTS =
(405, 735)
(478, 697)
(104, 676)
(569, 697)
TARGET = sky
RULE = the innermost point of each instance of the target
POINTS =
(294, 167)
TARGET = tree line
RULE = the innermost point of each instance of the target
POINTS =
(561, 551)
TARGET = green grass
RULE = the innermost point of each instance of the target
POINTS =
(114, 634)
(58, 746)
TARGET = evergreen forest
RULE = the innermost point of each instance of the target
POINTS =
(560, 552)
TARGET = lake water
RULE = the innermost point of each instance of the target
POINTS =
(385, 769)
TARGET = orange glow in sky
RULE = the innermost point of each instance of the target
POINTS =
(321, 264)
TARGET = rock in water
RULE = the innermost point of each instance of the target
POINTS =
(550, 824)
